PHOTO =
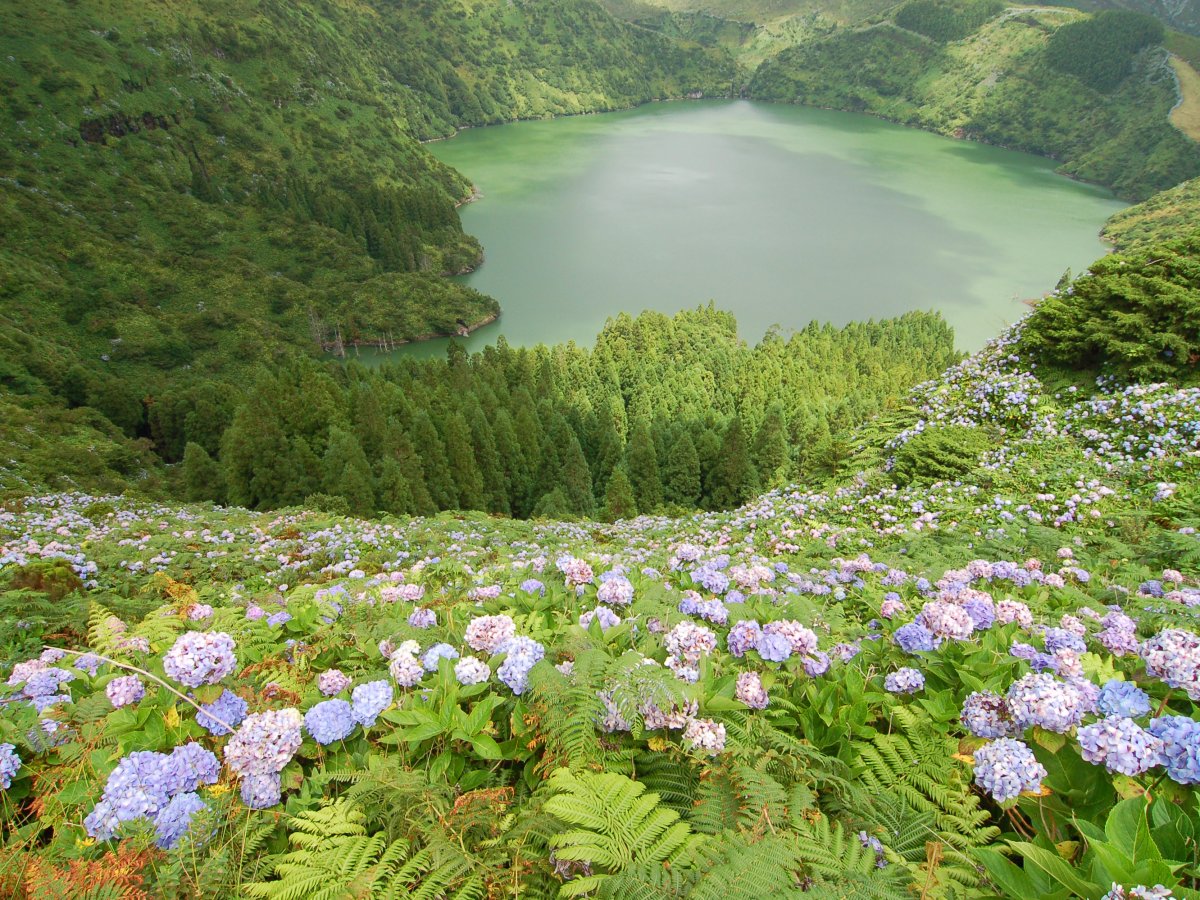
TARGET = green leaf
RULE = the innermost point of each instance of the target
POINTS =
(1058, 869)
(486, 747)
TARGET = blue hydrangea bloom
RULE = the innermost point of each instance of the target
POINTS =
(1006, 767)
(261, 791)
(1181, 747)
(229, 708)
(438, 651)
(774, 647)
(1061, 639)
(904, 681)
(173, 820)
(743, 636)
(329, 721)
(189, 766)
(1123, 698)
(369, 700)
(10, 762)
(914, 638)
(522, 653)
(986, 714)
(1121, 745)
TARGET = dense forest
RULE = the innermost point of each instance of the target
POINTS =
(662, 413)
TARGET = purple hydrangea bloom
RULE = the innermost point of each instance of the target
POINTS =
(125, 690)
(229, 709)
(199, 657)
(174, 819)
(743, 636)
(489, 632)
(1123, 698)
(986, 714)
(46, 682)
(189, 766)
(1043, 700)
(1061, 639)
(774, 647)
(750, 690)
(1173, 655)
(946, 621)
(470, 670)
(422, 618)
(10, 762)
(330, 721)
(279, 618)
(914, 638)
(904, 681)
(981, 609)
(1121, 745)
(261, 791)
(332, 681)
(817, 664)
(533, 586)
(1180, 736)
(705, 735)
(137, 788)
(369, 700)
(605, 616)
(1006, 767)
(438, 651)
(265, 742)
(406, 669)
(616, 591)
(88, 662)
(521, 654)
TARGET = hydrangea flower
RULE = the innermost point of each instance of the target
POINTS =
(406, 669)
(229, 709)
(261, 791)
(802, 640)
(1121, 745)
(750, 690)
(1061, 639)
(422, 618)
(1123, 698)
(986, 714)
(616, 591)
(88, 662)
(1173, 655)
(1180, 737)
(743, 636)
(470, 670)
(369, 700)
(946, 621)
(606, 617)
(189, 766)
(330, 721)
(774, 647)
(1043, 700)
(533, 586)
(689, 641)
(200, 657)
(980, 608)
(521, 654)
(914, 638)
(280, 618)
(265, 742)
(1006, 767)
(705, 735)
(332, 681)
(174, 819)
(438, 651)
(1008, 611)
(489, 632)
(124, 690)
(10, 762)
(904, 681)
(46, 682)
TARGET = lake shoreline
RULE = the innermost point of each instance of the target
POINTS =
(386, 345)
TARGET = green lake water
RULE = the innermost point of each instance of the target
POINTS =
(780, 214)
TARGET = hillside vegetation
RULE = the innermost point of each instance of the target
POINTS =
(1024, 79)
(191, 189)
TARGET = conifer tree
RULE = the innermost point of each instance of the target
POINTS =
(438, 479)
(642, 466)
(576, 478)
(347, 472)
(460, 454)
(770, 451)
(495, 482)
(734, 478)
(393, 492)
(619, 502)
(681, 473)
(202, 478)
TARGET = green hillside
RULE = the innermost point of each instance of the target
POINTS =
(1018, 80)
(189, 189)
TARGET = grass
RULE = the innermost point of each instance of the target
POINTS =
(1186, 116)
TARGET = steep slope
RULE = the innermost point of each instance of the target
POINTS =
(1007, 82)
(192, 188)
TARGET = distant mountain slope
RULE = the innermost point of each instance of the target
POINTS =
(190, 187)
(1006, 82)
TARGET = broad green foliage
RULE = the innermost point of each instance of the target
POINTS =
(940, 453)
(1135, 315)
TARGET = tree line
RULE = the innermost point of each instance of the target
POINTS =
(663, 413)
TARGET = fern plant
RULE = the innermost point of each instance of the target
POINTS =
(612, 823)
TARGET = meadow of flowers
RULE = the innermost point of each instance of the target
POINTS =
(979, 688)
